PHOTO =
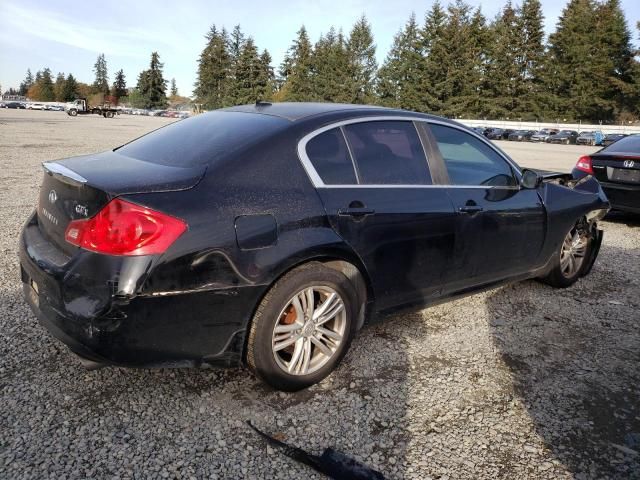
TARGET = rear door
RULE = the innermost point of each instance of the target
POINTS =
(500, 228)
(374, 180)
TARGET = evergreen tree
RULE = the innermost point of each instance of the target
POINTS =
(27, 83)
(58, 88)
(151, 84)
(502, 84)
(400, 75)
(247, 74)
(434, 70)
(70, 89)
(119, 88)
(530, 24)
(174, 88)
(267, 77)
(331, 79)
(296, 70)
(213, 69)
(101, 82)
(47, 93)
(361, 51)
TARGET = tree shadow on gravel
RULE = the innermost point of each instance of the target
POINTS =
(574, 358)
(626, 218)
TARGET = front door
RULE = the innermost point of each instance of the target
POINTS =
(379, 197)
(500, 227)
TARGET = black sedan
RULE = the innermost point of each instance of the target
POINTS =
(565, 137)
(15, 105)
(521, 135)
(612, 138)
(617, 168)
(268, 235)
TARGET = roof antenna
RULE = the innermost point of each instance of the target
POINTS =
(261, 103)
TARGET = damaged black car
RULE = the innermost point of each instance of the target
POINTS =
(268, 235)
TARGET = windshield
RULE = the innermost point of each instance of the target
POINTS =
(202, 139)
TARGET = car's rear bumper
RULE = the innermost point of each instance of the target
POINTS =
(622, 196)
(180, 328)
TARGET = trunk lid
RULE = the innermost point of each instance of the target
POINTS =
(616, 168)
(77, 188)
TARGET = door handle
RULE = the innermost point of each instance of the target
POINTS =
(356, 212)
(471, 209)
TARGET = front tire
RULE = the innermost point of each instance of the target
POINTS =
(302, 327)
(571, 260)
(73, 112)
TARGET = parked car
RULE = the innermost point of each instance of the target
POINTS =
(565, 137)
(56, 108)
(496, 134)
(543, 135)
(35, 106)
(244, 235)
(487, 131)
(617, 168)
(612, 138)
(586, 138)
(478, 130)
(17, 105)
(521, 135)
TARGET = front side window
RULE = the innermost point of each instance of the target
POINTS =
(470, 161)
(329, 155)
(388, 153)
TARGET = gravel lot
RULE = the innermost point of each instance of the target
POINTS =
(520, 382)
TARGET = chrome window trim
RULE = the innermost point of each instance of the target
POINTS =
(318, 183)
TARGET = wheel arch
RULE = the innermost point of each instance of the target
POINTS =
(349, 265)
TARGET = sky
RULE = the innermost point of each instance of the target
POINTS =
(67, 35)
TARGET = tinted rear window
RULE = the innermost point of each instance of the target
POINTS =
(329, 154)
(630, 144)
(202, 139)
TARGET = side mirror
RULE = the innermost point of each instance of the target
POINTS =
(530, 179)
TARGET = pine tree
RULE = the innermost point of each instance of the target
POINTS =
(119, 87)
(502, 83)
(101, 82)
(434, 70)
(46, 86)
(361, 51)
(58, 87)
(174, 88)
(530, 26)
(70, 89)
(247, 73)
(400, 75)
(27, 83)
(616, 57)
(296, 70)
(267, 77)
(152, 85)
(213, 70)
(331, 78)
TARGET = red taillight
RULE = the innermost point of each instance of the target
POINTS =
(584, 164)
(124, 228)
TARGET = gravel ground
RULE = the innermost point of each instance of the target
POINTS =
(520, 382)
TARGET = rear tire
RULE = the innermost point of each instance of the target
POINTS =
(294, 342)
(571, 259)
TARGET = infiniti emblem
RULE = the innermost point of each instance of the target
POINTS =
(53, 196)
(629, 163)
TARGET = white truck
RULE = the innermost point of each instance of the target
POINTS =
(98, 104)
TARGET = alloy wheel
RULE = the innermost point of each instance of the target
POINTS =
(574, 249)
(309, 330)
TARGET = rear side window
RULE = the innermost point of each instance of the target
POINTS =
(630, 144)
(202, 139)
(470, 161)
(388, 153)
(330, 157)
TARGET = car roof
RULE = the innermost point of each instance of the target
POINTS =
(294, 111)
